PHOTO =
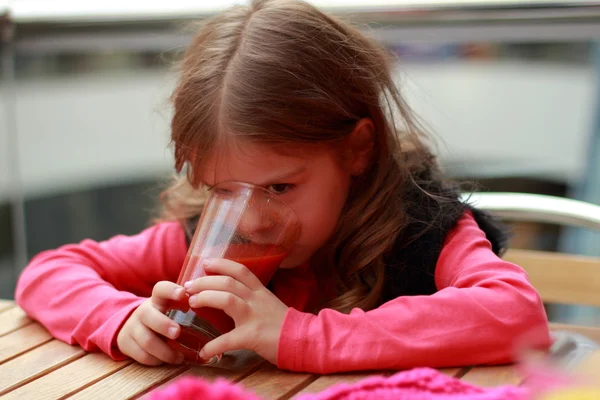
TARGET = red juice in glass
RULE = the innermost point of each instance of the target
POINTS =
(199, 326)
(235, 224)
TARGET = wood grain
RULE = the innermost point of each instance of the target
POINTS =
(13, 319)
(326, 381)
(493, 376)
(22, 340)
(234, 366)
(272, 383)
(34, 366)
(561, 278)
(68, 379)
(129, 382)
(454, 372)
(37, 362)
(6, 304)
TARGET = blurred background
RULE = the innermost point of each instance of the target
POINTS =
(510, 88)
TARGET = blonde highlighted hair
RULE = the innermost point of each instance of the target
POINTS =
(283, 72)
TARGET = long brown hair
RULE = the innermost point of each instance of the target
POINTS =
(281, 71)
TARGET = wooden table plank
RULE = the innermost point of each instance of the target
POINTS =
(32, 363)
(6, 304)
(272, 383)
(590, 367)
(128, 382)
(589, 331)
(69, 379)
(233, 367)
(22, 340)
(326, 381)
(493, 376)
(454, 372)
(37, 362)
(13, 319)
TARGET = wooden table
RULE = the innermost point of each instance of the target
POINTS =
(33, 365)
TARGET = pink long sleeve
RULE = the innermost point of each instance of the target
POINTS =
(84, 293)
(483, 305)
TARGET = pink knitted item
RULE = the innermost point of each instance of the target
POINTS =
(416, 384)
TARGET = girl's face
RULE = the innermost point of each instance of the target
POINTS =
(315, 185)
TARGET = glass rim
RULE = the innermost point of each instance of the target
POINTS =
(252, 186)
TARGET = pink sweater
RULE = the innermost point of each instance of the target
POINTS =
(84, 293)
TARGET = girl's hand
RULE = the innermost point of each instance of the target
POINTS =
(139, 337)
(258, 313)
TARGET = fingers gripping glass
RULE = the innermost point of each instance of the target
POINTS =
(243, 223)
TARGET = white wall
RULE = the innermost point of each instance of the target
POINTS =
(92, 129)
(494, 118)
(507, 118)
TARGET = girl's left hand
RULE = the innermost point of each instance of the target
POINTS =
(258, 313)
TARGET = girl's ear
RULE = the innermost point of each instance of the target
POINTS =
(360, 145)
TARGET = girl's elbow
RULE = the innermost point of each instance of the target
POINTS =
(529, 322)
(23, 287)
(27, 286)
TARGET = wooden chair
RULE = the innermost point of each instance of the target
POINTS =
(558, 277)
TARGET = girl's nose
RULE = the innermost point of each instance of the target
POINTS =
(256, 226)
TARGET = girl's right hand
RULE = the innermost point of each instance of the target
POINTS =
(139, 337)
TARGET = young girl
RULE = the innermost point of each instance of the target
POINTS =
(391, 270)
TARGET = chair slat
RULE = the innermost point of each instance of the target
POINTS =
(561, 278)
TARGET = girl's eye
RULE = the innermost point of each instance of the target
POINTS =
(280, 188)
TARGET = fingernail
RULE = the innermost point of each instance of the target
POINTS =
(202, 354)
(179, 358)
(193, 299)
(187, 285)
(172, 332)
(178, 292)
(209, 261)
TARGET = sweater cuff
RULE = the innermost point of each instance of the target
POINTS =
(292, 341)
(108, 340)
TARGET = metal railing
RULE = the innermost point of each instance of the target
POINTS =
(537, 208)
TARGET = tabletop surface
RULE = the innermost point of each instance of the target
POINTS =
(33, 365)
